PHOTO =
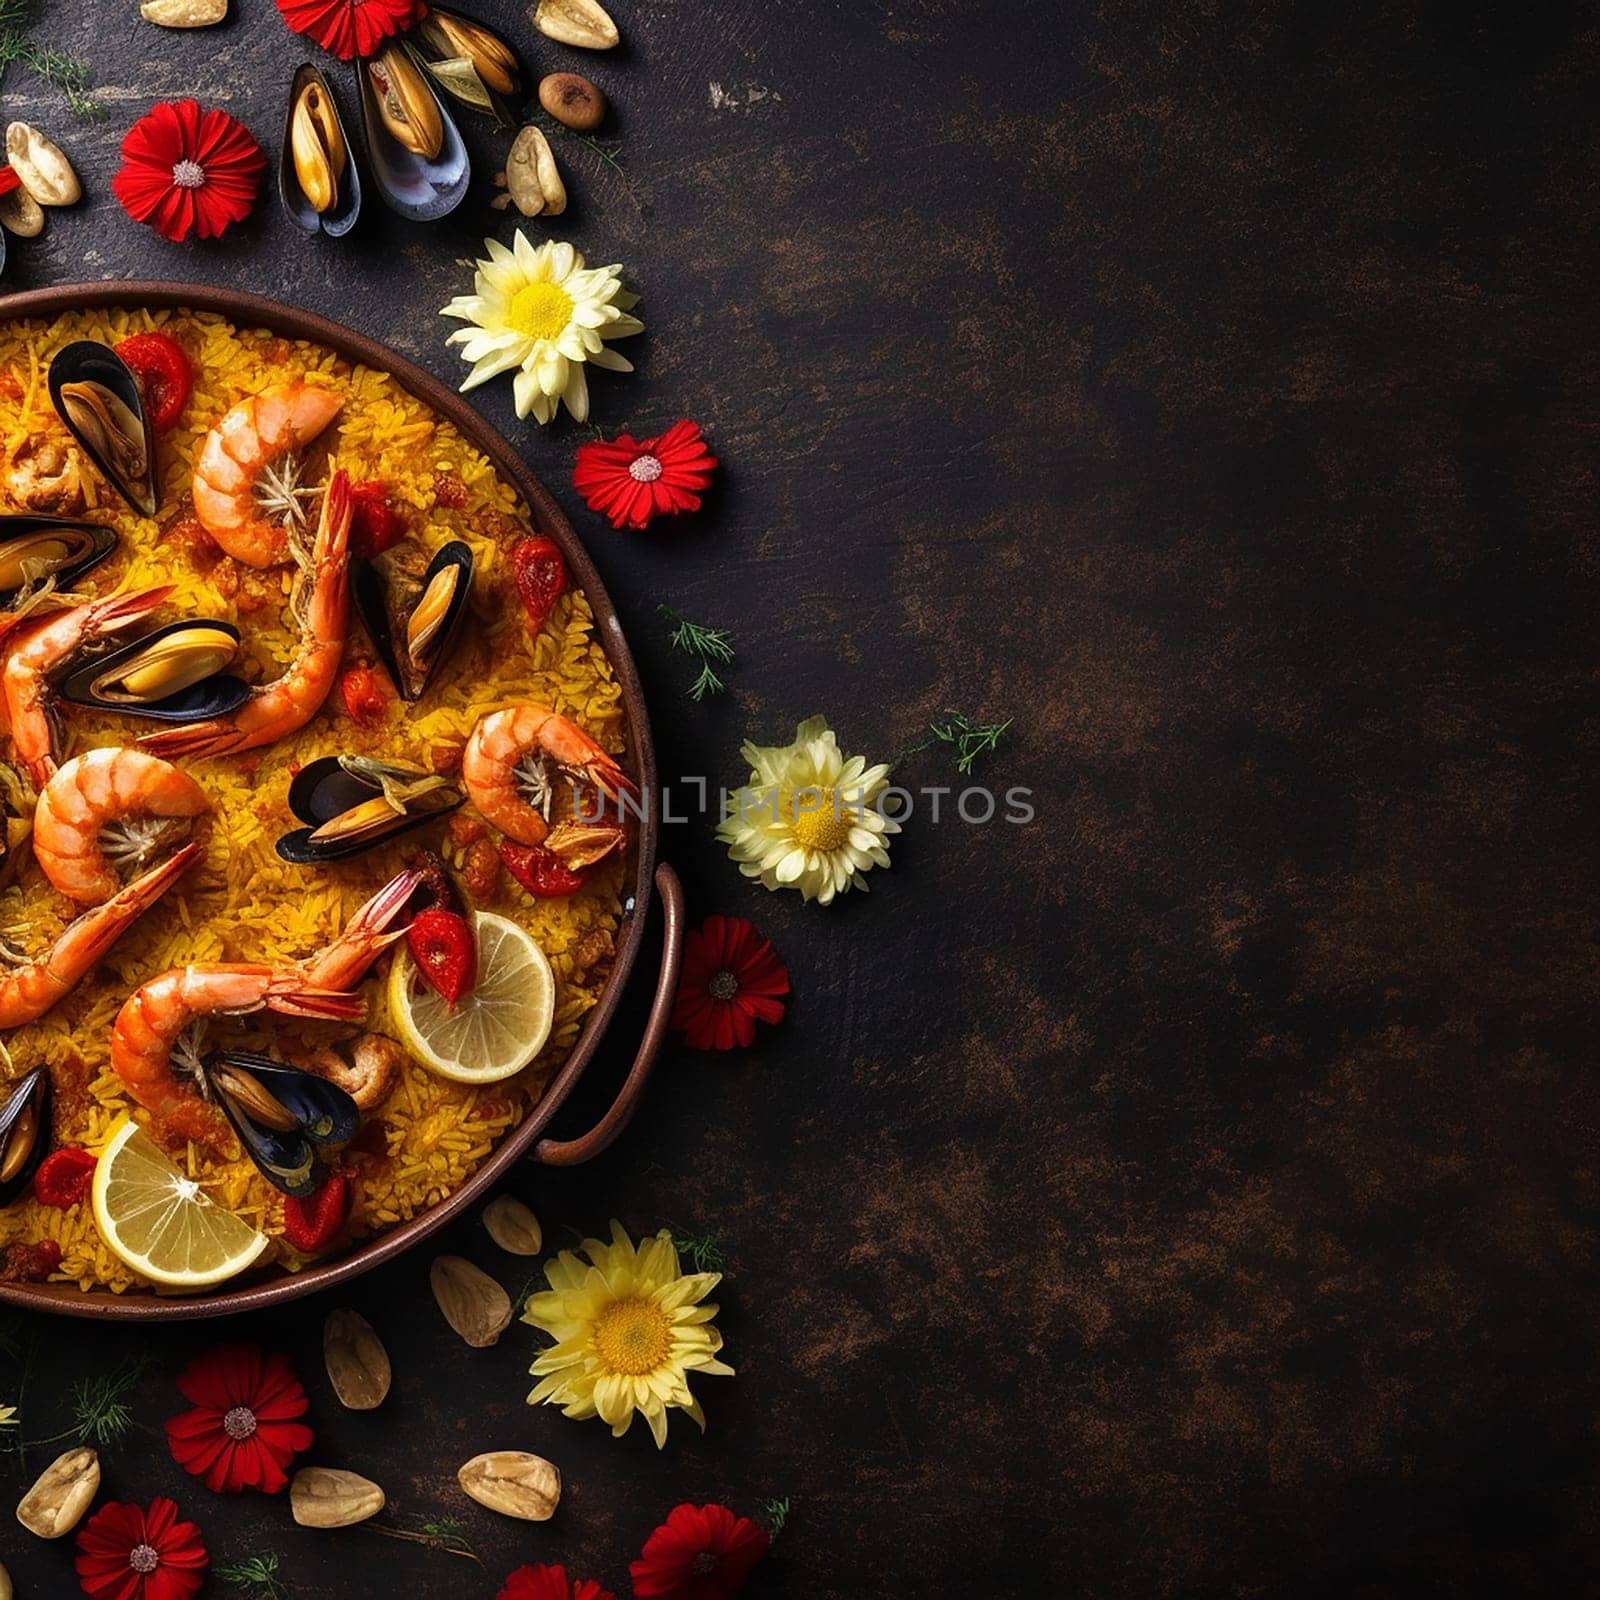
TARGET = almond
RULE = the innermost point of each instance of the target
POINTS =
(513, 1226)
(357, 1363)
(572, 100)
(329, 1497)
(513, 1483)
(472, 1302)
(61, 1494)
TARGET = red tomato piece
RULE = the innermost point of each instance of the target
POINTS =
(63, 1178)
(445, 951)
(165, 378)
(312, 1224)
(541, 872)
(375, 525)
(365, 698)
(541, 577)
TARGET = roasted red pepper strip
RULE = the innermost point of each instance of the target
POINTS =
(445, 951)
(541, 872)
(541, 577)
(364, 695)
(63, 1178)
(161, 366)
(313, 1224)
(375, 525)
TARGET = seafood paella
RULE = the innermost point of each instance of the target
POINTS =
(314, 805)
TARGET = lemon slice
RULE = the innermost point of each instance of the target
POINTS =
(163, 1224)
(494, 1031)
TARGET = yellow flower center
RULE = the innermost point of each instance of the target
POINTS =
(632, 1336)
(820, 822)
(540, 310)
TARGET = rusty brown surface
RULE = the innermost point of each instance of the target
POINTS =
(1191, 1193)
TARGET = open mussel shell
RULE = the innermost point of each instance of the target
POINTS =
(36, 550)
(471, 63)
(319, 181)
(413, 638)
(283, 1115)
(342, 801)
(95, 394)
(420, 187)
(24, 1133)
(172, 675)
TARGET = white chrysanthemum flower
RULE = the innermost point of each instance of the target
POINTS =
(540, 310)
(807, 819)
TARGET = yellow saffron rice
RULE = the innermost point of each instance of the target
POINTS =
(241, 902)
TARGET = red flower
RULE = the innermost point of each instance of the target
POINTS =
(351, 28)
(634, 480)
(732, 978)
(128, 1552)
(698, 1553)
(550, 1583)
(186, 170)
(242, 1432)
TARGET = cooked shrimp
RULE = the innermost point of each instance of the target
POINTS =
(110, 809)
(369, 1074)
(40, 648)
(344, 963)
(275, 710)
(507, 764)
(155, 1019)
(246, 489)
(32, 987)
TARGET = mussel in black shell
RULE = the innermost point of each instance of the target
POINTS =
(419, 161)
(98, 398)
(24, 1133)
(283, 1115)
(318, 179)
(172, 675)
(353, 803)
(39, 553)
(413, 636)
(470, 62)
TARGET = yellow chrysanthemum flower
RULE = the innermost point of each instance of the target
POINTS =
(540, 310)
(807, 818)
(629, 1326)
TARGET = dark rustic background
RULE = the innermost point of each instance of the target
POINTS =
(1189, 1194)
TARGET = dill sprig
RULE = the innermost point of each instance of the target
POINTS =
(102, 1405)
(708, 645)
(777, 1514)
(254, 1575)
(703, 1249)
(435, 1533)
(968, 739)
(608, 150)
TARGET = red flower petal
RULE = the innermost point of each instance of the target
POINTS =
(174, 132)
(348, 28)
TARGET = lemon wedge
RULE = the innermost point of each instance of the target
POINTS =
(162, 1224)
(494, 1031)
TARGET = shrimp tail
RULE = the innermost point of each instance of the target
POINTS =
(194, 742)
(119, 610)
(366, 936)
(102, 927)
(324, 1005)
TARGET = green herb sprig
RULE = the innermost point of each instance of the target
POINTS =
(435, 1533)
(703, 1249)
(710, 646)
(966, 738)
(102, 1406)
(777, 1515)
(68, 73)
(257, 1576)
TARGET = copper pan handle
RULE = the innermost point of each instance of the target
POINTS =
(572, 1152)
